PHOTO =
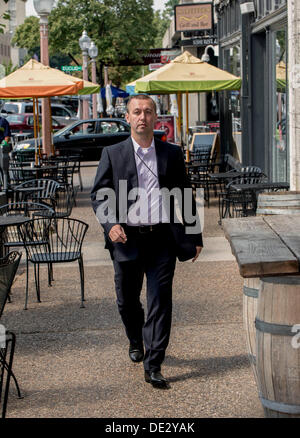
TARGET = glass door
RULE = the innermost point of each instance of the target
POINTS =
(280, 149)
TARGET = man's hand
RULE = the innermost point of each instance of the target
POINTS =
(117, 234)
(199, 249)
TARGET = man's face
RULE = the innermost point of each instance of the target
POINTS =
(141, 116)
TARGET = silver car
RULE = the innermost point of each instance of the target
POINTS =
(62, 114)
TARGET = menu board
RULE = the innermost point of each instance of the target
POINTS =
(167, 123)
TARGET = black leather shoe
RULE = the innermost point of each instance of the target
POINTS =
(136, 353)
(156, 379)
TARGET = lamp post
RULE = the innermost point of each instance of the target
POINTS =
(85, 42)
(93, 53)
(43, 9)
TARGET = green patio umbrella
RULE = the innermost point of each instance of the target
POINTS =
(186, 74)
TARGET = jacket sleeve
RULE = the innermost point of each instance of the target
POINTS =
(103, 194)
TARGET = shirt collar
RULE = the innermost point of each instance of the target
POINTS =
(138, 148)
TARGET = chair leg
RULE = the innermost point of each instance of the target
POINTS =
(37, 281)
(6, 367)
(27, 280)
(9, 371)
(50, 274)
(80, 181)
(81, 270)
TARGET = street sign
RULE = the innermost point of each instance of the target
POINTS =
(199, 42)
(71, 68)
(155, 66)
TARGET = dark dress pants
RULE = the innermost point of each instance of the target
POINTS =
(156, 259)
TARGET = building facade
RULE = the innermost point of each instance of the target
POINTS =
(17, 12)
(253, 44)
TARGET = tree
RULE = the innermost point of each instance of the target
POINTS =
(27, 36)
(162, 20)
(118, 29)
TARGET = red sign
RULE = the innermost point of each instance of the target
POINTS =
(153, 67)
(167, 124)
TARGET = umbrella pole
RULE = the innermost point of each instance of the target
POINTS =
(51, 126)
(38, 125)
(35, 131)
(187, 126)
(179, 116)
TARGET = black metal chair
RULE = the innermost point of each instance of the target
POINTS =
(8, 268)
(27, 209)
(235, 204)
(11, 237)
(56, 240)
(37, 190)
(203, 163)
(64, 202)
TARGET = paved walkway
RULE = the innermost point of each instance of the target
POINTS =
(73, 362)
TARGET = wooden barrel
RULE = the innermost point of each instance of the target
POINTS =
(278, 346)
(250, 298)
(278, 203)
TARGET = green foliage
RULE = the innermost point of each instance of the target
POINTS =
(4, 16)
(9, 67)
(162, 20)
(28, 35)
(169, 7)
(118, 29)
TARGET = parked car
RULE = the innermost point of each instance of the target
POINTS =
(62, 114)
(23, 124)
(88, 137)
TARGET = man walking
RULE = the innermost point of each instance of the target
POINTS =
(147, 239)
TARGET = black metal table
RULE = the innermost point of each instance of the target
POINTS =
(9, 221)
(256, 187)
(253, 189)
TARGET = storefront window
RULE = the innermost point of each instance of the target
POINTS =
(280, 153)
(233, 65)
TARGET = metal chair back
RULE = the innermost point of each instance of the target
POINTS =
(8, 268)
(11, 236)
(62, 242)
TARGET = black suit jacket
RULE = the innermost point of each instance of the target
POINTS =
(118, 163)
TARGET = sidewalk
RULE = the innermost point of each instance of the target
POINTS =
(72, 362)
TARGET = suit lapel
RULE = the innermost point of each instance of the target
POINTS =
(128, 162)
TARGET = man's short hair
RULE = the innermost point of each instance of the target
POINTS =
(141, 97)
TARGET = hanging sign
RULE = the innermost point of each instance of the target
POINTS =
(195, 16)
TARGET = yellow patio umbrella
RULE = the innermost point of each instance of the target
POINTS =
(34, 80)
(186, 74)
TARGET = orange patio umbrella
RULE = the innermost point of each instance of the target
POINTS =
(34, 80)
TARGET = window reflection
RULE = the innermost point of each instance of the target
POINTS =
(233, 65)
(280, 143)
